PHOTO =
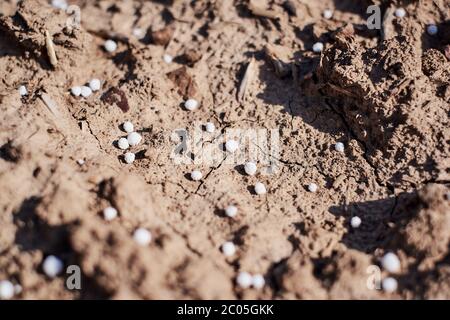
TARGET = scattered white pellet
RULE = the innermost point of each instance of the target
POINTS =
(250, 168)
(389, 284)
(191, 104)
(355, 222)
(86, 91)
(123, 143)
(76, 91)
(231, 211)
(167, 58)
(228, 248)
(95, 84)
(317, 47)
(109, 213)
(327, 14)
(6, 290)
(110, 45)
(80, 162)
(60, 4)
(134, 138)
(52, 266)
(128, 127)
(129, 157)
(142, 236)
(312, 187)
(231, 145)
(432, 29)
(210, 127)
(339, 147)
(244, 279)
(258, 281)
(139, 33)
(196, 175)
(260, 188)
(400, 13)
(23, 91)
(391, 262)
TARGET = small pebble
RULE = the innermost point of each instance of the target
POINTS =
(317, 47)
(142, 236)
(312, 187)
(191, 104)
(60, 4)
(258, 281)
(76, 91)
(128, 127)
(86, 91)
(244, 279)
(250, 168)
(210, 127)
(260, 188)
(432, 29)
(391, 262)
(109, 213)
(389, 284)
(228, 248)
(355, 222)
(139, 33)
(110, 45)
(95, 84)
(327, 14)
(123, 143)
(400, 13)
(167, 58)
(129, 157)
(339, 147)
(52, 266)
(231, 211)
(80, 162)
(6, 290)
(23, 91)
(231, 145)
(196, 175)
(134, 138)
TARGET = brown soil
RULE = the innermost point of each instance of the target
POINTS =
(386, 100)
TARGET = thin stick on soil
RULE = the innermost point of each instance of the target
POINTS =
(246, 80)
(50, 49)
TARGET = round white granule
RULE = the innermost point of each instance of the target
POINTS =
(95, 84)
(260, 188)
(167, 58)
(109, 213)
(228, 248)
(231, 145)
(191, 104)
(128, 127)
(389, 284)
(23, 91)
(142, 236)
(196, 175)
(110, 45)
(355, 222)
(258, 281)
(339, 147)
(250, 168)
(432, 29)
(52, 266)
(134, 138)
(210, 127)
(123, 143)
(231, 211)
(80, 162)
(312, 187)
(75, 91)
(86, 91)
(391, 262)
(327, 14)
(129, 157)
(6, 290)
(317, 47)
(244, 279)
(60, 4)
(400, 13)
(139, 33)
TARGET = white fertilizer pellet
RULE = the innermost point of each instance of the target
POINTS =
(231, 145)
(142, 236)
(312, 187)
(76, 91)
(23, 91)
(139, 33)
(250, 168)
(339, 147)
(260, 188)
(128, 127)
(244, 279)
(400, 13)
(196, 175)
(80, 162)
(327, 14)
(60, 4)
(191, 104)
(86, 91)
(134, 138)
(167, 58)
(432, 29)
(389, 284)
(110, 45)
(123, 143)
(231, 211)
(391, 262)
(228, 248)
(210, 127)
(355, 222)
(52, 266)
(109, 213)
(317, 47)
(129, 157)
(6, 290)
(258, 281)
(95, 84)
